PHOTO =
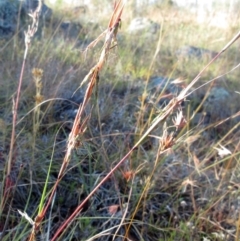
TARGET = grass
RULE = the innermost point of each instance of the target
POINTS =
(169, 181)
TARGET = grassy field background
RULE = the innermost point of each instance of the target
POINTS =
(181, 182)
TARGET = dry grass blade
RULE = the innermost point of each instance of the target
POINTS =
(94, 42)
(113, 24)
(116, 16)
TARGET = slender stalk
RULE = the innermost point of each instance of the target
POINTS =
(15, 112)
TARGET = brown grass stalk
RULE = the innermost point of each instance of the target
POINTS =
(78, 127)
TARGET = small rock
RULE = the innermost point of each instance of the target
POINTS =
(218, 103)
(66, 109)
(165, 86)
(194, 52)
(8, 18)
(29, 6)
(10, 10)
(218, 94)
(217, 106)
(201, 118)
(143, 25)
(159, 83)
(70, 29)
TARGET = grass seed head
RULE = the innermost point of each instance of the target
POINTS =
(179, 121)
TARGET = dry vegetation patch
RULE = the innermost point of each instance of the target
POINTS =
(180, 183)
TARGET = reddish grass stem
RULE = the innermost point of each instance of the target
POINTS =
(28, 37)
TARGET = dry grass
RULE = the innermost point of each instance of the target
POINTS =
(173, 185)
